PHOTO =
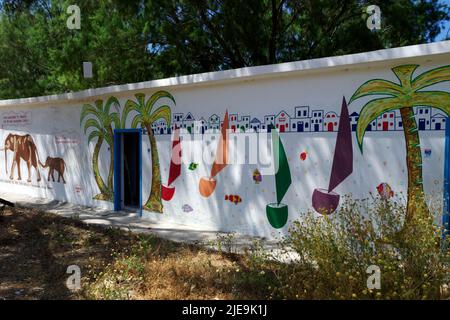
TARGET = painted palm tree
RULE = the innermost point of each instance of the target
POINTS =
(145, 117)
(99, 122)
(405, 95)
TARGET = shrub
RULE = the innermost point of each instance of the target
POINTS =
(335, 251)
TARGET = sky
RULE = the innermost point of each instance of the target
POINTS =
(446, 26)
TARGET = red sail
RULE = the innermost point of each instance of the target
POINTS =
(175, 163)
(221, 160)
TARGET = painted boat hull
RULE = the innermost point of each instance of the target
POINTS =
(207, 186)
(325, 202)
(167, 192)
(277, 214)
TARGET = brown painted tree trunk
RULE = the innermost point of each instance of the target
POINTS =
(104, 194)
(416, 197)
(154, 203)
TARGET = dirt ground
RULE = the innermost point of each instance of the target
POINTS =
(36, 249)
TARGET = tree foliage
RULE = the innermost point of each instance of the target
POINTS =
(132, 41)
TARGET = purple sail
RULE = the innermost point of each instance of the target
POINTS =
(326, 201)
(343, 152)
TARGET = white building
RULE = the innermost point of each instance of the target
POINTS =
(354, 120)
(398, 122)
(283, 122)
(201, 126)
(423, 117)
(331, 121)
(188, 122)
(244, 124)
(234, 122)
(386, 121)
(438, 121)
(255, 125)
(301, 121)
(159, 127)
(214, 123)
(317, 120)
(177, 120)
(268, 123)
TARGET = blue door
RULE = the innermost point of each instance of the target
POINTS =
(128, 169)
(421, 124)
(300, 126)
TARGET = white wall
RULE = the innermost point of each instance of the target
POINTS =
(383, 159)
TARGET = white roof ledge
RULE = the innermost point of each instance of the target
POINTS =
(247, 73)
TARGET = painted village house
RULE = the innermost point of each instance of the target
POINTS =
(214, 123)
(354, 116)
(331, 121)
(255, 125)
(423, 118)
(317, 120)
(283, 121)
(438, 121)
(268, 123)
(117, 153)
(302, 120)
(188, 122)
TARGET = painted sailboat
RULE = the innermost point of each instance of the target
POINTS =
(277, 212)
(167, 191)
(207, 185)
(326, 201)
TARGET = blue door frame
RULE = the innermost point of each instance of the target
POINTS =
(118, 133)
(446, 213)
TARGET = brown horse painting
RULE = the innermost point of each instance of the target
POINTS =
(23, 148)
(55, 164)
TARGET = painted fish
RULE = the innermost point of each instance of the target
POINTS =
(385, 191)
(257, 177)
(193, 166)
(233, 198)
(187, 208)
(303, 155)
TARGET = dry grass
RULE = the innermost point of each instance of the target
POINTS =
(160, 269)
(37, 247)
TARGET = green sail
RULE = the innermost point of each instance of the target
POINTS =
(282, 172)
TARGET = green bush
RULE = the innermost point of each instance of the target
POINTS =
(335, 251)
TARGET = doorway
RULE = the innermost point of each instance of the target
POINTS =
(128, 170)
(330, 126)
(421, 124)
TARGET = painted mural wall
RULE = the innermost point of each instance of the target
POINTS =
(254, 155)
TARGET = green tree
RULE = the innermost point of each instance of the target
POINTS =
(145, 116)
(99, 120)
(405, 95)
(133, 41)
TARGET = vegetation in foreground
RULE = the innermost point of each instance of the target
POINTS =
(334, 253)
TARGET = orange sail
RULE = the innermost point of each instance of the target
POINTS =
(221, 160)
(207, 185)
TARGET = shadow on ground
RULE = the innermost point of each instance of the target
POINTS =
(36, 248)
